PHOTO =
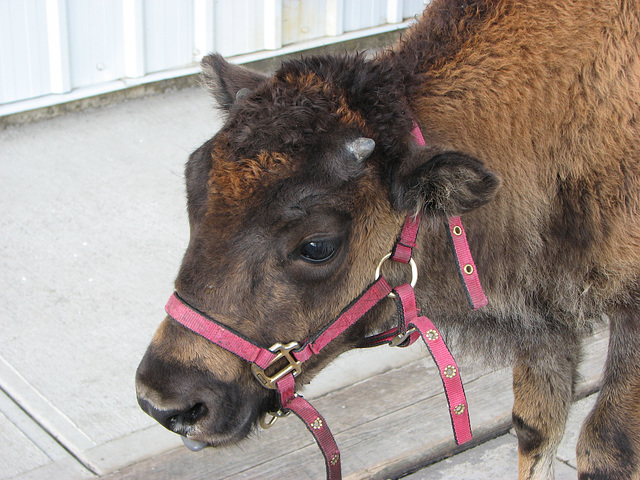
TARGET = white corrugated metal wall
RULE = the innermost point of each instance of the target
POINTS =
(59, 46)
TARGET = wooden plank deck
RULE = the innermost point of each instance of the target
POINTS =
(385, 426)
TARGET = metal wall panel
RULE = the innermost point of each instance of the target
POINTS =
(238, 26)
(24, 59)
(96, 41)
(411, 8)
(168, 34)
(59, 46)
(307, 19)
(361, 14)
(203, 27)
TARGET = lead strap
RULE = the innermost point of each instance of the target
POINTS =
(449, 372)
(315, 423)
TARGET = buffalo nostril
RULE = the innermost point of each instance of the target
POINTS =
(181, 421)
(178, 421)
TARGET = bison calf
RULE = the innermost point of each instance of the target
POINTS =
(529, 111)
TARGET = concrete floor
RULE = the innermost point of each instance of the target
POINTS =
(93, 228)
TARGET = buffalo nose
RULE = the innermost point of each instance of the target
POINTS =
(178, 421)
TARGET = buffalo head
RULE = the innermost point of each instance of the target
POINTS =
(291, 205)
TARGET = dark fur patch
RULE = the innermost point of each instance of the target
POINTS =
(618, 450)
(305, 94)
(604, 474)
(529, 438)
(196, 174)
(574, 221)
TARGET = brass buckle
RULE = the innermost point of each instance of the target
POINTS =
(414, 272)
(398, 340)
(281, 351)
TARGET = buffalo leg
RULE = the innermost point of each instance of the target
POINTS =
(609, 443)
(543, 386)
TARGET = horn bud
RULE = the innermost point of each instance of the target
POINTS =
(243, 92)
(361, 147)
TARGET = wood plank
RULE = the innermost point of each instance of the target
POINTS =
(385, 426)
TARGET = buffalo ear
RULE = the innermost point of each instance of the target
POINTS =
(451, 183)
(228, 82)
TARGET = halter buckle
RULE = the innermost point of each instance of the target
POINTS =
(281, 351)
(399, 339)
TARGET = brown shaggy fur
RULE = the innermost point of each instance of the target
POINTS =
(530, 114)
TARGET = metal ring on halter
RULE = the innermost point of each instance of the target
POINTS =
(414, 272)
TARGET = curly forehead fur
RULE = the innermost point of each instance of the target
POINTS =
(235, 181)
(300, 118)
(311, 100)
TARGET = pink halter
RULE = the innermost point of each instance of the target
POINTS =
(410, 328)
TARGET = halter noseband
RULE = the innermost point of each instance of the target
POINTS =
(410, 327)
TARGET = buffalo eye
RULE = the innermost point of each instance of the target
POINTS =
(318, 251)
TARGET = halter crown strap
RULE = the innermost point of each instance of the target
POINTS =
(466, 267)
(403, 249)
